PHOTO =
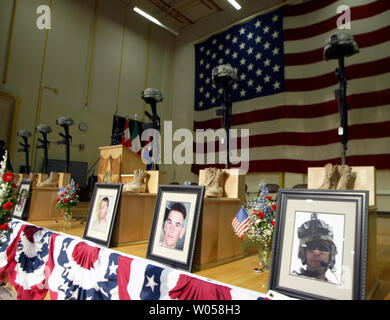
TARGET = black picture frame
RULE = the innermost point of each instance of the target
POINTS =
(21, 208)
(345, 214)
(105, 197)
(173, 236)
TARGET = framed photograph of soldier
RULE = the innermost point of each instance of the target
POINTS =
(20, 210)
(320, 244)
(102, 212)
(175, 225)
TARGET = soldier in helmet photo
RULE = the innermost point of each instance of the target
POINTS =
(317, 250)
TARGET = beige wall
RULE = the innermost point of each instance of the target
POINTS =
(66, 68)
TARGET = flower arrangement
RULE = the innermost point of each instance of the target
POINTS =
(8, 197)
(261, 213)
(67, 198)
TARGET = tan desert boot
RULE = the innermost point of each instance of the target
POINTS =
(138, 184)
(52, 181)
(216, 189)
(331, 177)
(33, 177)
(345, 176)
(209, 176)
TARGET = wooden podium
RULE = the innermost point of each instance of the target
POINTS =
(363, 178)
(118, 160)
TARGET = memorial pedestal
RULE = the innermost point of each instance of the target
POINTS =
(43, 199)
(216, 242)
(363, 178)
(133, 219)
(42, 204)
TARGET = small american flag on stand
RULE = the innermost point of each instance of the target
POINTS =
(241, 222)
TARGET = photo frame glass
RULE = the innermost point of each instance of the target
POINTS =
(175, 223)
(320, 244)
(20, 210)
(102, 212)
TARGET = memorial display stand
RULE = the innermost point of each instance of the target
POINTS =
(135, 212)
(363, 178)
(43, 199)
(216, 242)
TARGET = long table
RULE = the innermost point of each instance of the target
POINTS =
(41, 263)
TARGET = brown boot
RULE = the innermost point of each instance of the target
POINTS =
(52, 181)
(138, 184)
(217, 186)
(331, 177)
(33, 177)
(209, 177)
(345, 176)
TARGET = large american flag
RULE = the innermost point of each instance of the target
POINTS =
(285, 93)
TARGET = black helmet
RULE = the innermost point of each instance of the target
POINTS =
(314, 230)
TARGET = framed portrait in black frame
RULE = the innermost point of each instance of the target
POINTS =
(102, 212)
(175, 224)
(320, 244)
(20, 209)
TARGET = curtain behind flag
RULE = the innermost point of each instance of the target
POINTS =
(285, 93)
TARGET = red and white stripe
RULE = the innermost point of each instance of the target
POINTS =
(297, 129)
(126, 138)
(241, 228)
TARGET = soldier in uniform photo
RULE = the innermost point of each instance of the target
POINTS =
(317, 250)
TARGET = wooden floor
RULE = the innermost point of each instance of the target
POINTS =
(241, 272)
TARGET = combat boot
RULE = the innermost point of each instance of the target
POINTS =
(216, 188)
(52, 181)
(345, 176)
(331, 177)
(138, 184)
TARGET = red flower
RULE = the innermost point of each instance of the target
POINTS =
(274, 207)
(268, 197)
(4, 227)
(8, 205)
(65, 200)
(58, 200)
(7, 177)
(73, 195)
(261, 215)
(273, 222)
(66, 192)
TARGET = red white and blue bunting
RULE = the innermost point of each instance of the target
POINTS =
(39, 261)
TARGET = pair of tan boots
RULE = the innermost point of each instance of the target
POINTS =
(138, 184)
(337, 177)
(214, 182)
(51, 181)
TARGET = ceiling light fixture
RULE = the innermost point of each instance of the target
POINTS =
(235, 4)
(154, 20)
